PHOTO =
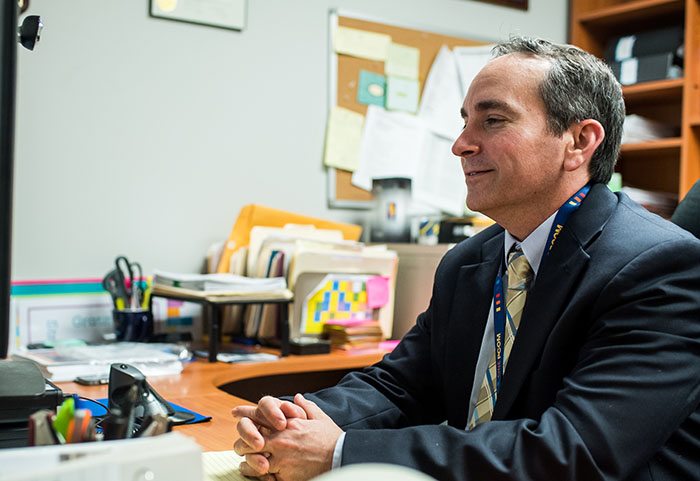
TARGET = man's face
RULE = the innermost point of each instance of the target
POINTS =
(510, 161)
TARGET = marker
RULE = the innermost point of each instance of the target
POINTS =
(63, 418)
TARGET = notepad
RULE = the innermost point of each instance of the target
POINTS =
(222, 466)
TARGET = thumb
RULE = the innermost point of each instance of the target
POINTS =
(310, 407)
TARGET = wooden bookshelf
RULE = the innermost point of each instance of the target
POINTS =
(668, 165)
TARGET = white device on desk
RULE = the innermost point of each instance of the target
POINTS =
(171, 456)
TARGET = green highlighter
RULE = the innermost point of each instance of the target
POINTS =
(63, 418)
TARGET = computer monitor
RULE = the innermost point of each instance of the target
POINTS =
(8, 56)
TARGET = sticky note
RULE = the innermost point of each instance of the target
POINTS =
(343, 139)
(371, 89)
(402, 61)
(360, 43)
(377, 291)
(402, 94)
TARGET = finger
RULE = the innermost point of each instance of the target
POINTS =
(252, 413)
(270, 413)
(243, 411)
(247, 470)
(258, 462)
(310, 408)
(242, 448)
(292, 410)
(250, 435)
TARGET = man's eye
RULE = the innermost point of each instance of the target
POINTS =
(493, 121)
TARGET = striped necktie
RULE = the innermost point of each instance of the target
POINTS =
(519, 275)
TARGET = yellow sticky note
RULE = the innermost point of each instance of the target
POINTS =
(343, 139)
(360, 43)
(402, 61)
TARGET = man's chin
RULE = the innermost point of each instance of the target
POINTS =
(474, 204)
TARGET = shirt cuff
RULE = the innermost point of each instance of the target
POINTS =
(338, 452)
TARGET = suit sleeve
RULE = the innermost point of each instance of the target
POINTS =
(634, 382)
(396, 392)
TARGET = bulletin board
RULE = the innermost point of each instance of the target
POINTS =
(344, 74)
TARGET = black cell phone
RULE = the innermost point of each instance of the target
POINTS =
(92, 380)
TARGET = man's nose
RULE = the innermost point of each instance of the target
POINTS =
(465, 145)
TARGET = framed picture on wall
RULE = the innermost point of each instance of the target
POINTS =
(229, 14)
(521, 4)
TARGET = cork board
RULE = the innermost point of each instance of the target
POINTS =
(344, 75)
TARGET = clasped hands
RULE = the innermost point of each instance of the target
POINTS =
(285, 441)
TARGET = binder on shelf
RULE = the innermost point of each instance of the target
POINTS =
(648, 42)
(256, 215)
(646, 69)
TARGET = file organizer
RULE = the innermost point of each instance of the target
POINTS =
(310, 266)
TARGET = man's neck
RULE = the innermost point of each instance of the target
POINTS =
(522, 223)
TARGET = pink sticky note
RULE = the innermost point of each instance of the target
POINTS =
(377, 291)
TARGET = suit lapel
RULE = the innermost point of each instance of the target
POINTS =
(556, 281)
(468, 315)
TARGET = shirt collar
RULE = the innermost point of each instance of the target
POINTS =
(533, 245)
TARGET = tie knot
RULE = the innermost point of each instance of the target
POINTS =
(519, 270)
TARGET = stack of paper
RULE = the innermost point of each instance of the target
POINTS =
(66, 363)
(218, 283)
(222, 466)
(642, 129)
(353, 335)
(269, 255)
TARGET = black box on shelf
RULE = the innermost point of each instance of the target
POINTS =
(647, 42)
(646, 68)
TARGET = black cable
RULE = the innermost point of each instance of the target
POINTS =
(94, 401)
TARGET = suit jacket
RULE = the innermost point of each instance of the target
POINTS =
(603, 381)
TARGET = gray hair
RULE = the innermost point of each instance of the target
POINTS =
(578, 86)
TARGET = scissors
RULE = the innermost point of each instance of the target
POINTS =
(114, 284)
(124, 284)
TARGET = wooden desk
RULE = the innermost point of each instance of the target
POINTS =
(196, 388)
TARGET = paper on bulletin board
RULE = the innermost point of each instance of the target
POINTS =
(402, 61)
(402, 94)
(360, 43)
(391, 146)
(343, 139)
(442, 96)
(439, 180)
(397, 144)
(470, 60)
(371, 89)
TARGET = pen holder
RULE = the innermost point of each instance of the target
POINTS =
(133, 324)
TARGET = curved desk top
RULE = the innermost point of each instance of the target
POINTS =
(197, 388)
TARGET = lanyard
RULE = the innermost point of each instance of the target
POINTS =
(499, 311)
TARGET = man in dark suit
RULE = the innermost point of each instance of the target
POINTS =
(687, 214)
(603, 378)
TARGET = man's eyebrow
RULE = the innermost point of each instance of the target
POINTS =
(489, 105)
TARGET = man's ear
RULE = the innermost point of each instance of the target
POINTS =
(586, 136)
